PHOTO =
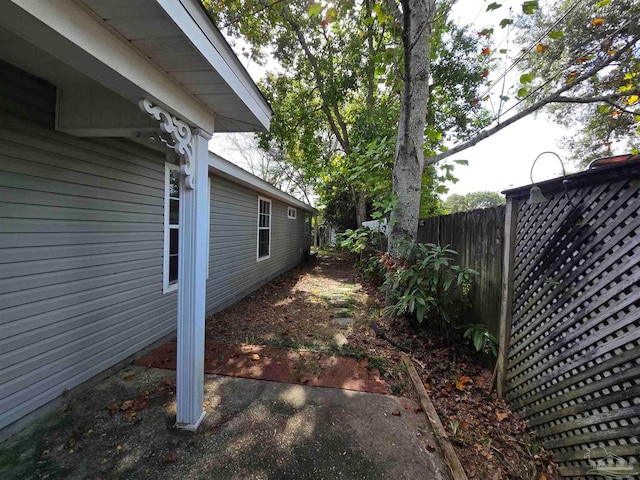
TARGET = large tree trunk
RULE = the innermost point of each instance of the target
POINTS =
(417, 16)
(361, 208)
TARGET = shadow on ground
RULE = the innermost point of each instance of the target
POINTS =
(253, 430)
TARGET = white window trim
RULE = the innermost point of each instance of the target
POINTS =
(166, 288)
(292, 213)
(266, 257)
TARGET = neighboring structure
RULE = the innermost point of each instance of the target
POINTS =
(97, 226)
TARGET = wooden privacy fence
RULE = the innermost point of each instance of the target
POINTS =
(573, 285)
(477, 237)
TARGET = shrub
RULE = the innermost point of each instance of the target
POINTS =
(425, 284)
(482, 339)
(362, 241)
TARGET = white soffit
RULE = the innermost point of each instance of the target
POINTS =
(178, 37)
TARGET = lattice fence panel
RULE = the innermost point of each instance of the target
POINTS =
(573, 369)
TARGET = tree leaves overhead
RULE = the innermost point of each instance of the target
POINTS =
(335, 85)
(462, 203)
(580, 37)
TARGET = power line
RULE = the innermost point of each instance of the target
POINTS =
(530, 48)
(553, 77)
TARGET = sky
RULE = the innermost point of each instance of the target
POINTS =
(496, 163)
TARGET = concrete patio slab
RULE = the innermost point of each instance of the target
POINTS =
(253, 429)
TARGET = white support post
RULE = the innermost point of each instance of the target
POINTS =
(192, 150)
(192, 251)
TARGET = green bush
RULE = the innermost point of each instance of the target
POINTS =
(371, 269)
(425, 284)
(362, 241)
(483, 341)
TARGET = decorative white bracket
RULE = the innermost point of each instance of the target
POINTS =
(180, 133)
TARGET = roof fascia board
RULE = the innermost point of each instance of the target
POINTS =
(196, 26)
(233, 172)
(92, 49)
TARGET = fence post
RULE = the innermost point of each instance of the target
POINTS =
(506, 296)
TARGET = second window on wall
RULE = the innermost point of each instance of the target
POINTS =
(264, 228)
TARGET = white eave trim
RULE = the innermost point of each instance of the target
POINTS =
(69, 32)
(226, 169)
(196, 26)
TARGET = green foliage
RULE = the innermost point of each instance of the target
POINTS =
(425, 284)
(471, 201)
(578, 37)
(357, 241)
(483, 341)
(336, 95)
(371, 269)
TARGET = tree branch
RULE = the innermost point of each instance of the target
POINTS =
(602, 98)
(552, 98)
(340, 133)
(395, 10)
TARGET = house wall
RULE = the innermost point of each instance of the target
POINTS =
(81, 250)
(234, 271)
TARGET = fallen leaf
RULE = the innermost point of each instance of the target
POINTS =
(597, 22)
(119, 447)
(462, 382)
(126, 405)
(255, 356)
(486, 51)
(113, 408)
(541, 48)
(128, 378)
(396, 413)
(170, 457)
(464, 424)
(130, 414)
(427, 386)
(543, 477)
(140, 404)
(501, 415)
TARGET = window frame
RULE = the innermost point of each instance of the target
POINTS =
(208, 224)
(168, 287)
(292, 213)
(307, 223)
(264, 257)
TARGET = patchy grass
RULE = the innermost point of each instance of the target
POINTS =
(29, 457)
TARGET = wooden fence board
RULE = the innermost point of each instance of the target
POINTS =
(477, 236)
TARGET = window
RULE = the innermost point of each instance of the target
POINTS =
(291, 213)
(171, 227)
(264, 228)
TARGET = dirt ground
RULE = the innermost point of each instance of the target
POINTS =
(491, 442)
(319, 307)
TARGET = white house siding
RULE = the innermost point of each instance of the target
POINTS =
(233, 269)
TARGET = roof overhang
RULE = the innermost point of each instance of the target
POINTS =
(165, 50)
(234, 173)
